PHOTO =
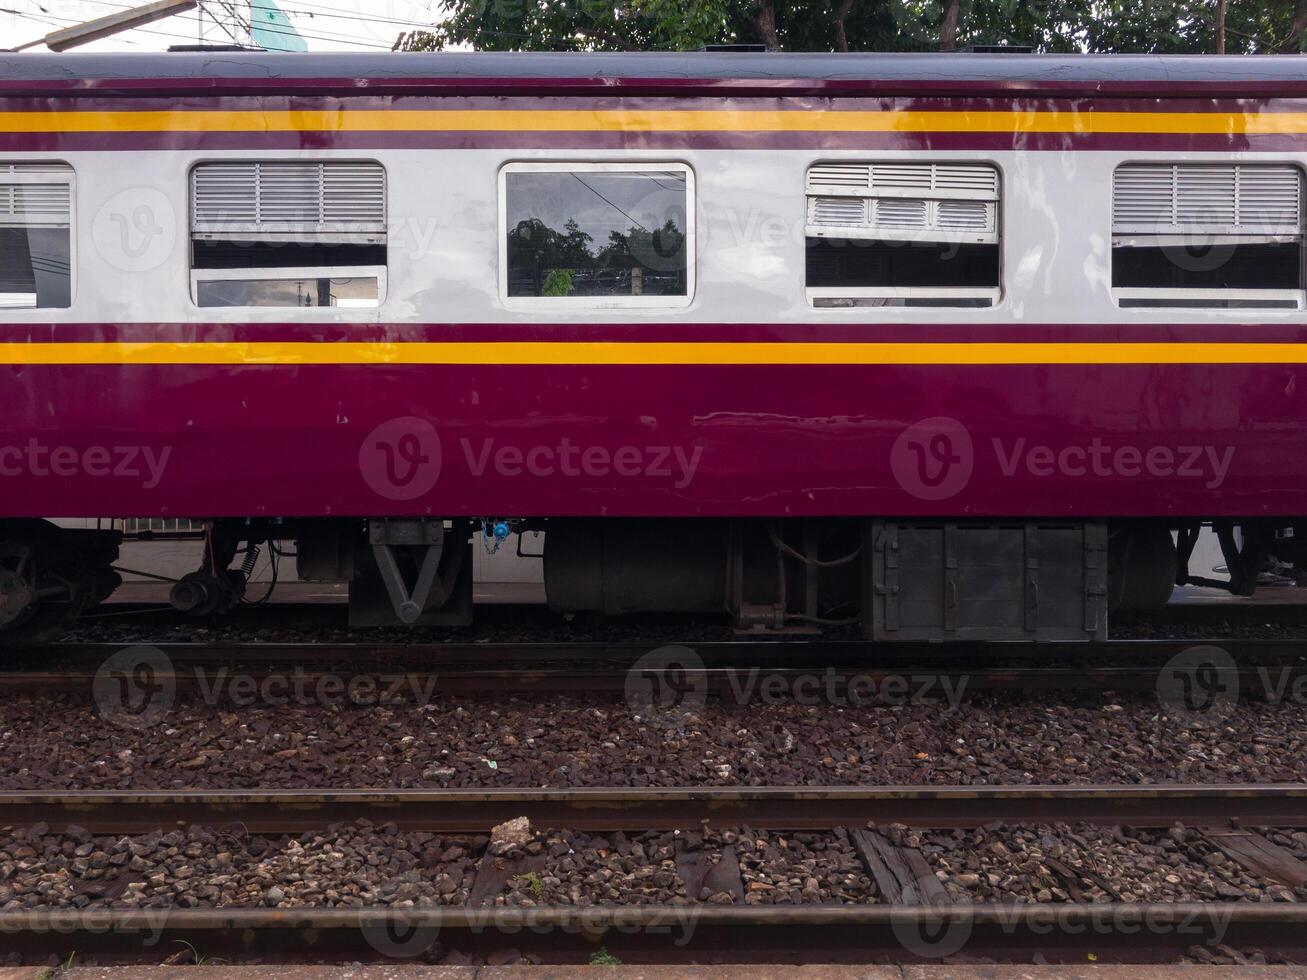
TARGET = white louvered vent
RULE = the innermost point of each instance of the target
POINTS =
(982, 182)
(61, 170)
(903, 218)
(840, 175)
(904, 201)
(225, 193)
(837, 211)
(298, 197)
(965, 216)
(917, 178)
(1270, 196)
(900, 212)
(35, 194)
(35, 204)
(921, 180)
(1238, 199)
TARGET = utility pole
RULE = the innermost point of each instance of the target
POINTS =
(102, 27)
(224, 22)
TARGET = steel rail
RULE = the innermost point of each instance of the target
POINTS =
(1064, 932)
(786, 808)
(744, 650)
(1111, 932)
(853, 686)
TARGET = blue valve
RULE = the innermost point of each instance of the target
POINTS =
(494, 535)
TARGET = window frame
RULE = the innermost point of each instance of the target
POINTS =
(289, 274)
(1270, 299)
(996, 293)
(538, 303)
(282, 273)
(71, 181)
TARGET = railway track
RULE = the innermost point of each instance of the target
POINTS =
(782, 808)
(739, 652)
(332, 611)
(914, 923)
(912, 917)
(733, 668)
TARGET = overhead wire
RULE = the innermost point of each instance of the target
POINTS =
(300, 7)
(637, 223)
(310, 10)
(58, 21)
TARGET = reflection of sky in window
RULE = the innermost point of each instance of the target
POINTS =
(360, 292)
(599, 202)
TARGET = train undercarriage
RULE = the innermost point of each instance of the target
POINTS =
(892, 578)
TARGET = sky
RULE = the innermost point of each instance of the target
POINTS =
(326, 25)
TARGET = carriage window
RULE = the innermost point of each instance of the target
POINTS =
(1204, 236)
(597, 235)
(288, 234)
(902, 234)
(35, 235)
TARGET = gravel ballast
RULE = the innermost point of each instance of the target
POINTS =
(367, 866)
(363, 865)
(1092, 864)
(60, 741)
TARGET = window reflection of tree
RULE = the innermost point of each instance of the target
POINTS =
(544, 261)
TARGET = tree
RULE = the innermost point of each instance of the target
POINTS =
(558, 282)
(656, 25)
(948, 25)
(1160, 26)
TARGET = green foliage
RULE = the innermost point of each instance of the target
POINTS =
(51, 972)
(558, 282)
(601, 957)
(640, 25)
(560, 258)
(196, 958)
(575, 25)
(535, 885)
(1185, 27)
(1161, 26)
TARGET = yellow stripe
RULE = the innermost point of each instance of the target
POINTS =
(624, 120)
(646, 353)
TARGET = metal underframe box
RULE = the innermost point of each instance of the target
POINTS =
(927, 580)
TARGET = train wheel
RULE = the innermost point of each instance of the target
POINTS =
(48, 576)
(25, 618)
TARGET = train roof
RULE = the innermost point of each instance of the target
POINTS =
(659, 72)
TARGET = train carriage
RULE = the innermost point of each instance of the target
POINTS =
(951, 346)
